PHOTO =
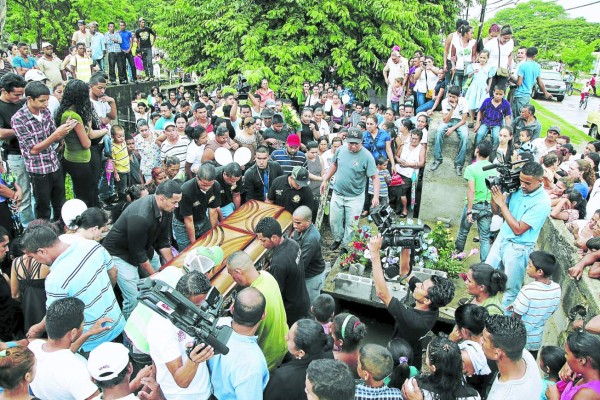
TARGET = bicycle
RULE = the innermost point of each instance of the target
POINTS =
(569, 90)
(584, 101)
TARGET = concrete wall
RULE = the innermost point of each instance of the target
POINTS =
(123, 95)
(556, 239)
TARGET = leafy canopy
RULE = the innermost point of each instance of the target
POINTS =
(290, 41)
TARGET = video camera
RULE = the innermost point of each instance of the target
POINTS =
(508, 179)
(408, 236)
(198, 322)
(242, 87)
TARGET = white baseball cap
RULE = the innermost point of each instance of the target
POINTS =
(35, 75)
(70, 211)
(107, 361)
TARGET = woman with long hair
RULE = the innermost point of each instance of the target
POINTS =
(17, 371)
(570, 208)
(501, 49)
(583, 358)
(504, 151)
(306, 341)
(347, 332)
(76, 105)
(486, 285)
(463, 52)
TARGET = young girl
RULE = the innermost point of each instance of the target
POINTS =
(479, 89)
(397, 92)
(139, 63)
(402, 355)
(552, 359)
(570, 208)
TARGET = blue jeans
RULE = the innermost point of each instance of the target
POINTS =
(181, 236)
(517, 105)
(484, 220)
(463, 134)
(314, 285)
(16, 165)
(512, 258)
(421, 99)
(343, 211)
(128, 277)
(425, 107)
(483, 131)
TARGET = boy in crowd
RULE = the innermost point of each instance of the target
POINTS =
(374, 365)
(120, 156)
(538, 300)
(323, 309)
(135, 176)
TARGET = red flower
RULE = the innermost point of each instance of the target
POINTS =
(360, 231)
(366, 235)
(356, 217)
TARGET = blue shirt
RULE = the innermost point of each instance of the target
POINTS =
(492, 115)
(126, 38)
(533, 209)
(288, 162)
(160, 123)
(242, 374)
(529, 70)
(19, 62)
(82, 271)
(377, 146)
(98, 45)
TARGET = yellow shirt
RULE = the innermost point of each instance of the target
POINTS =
(121, 157)
(83, 67)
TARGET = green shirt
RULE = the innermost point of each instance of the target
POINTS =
(475, 173)
(493, 304)
(74, 151)
(273, 329)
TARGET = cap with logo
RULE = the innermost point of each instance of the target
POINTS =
(354, 136)
(300, 175)
(35, 75)
(107, 361)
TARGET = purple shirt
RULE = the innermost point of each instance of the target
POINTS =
(492, 115)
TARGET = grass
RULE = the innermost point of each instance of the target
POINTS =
(547, 118)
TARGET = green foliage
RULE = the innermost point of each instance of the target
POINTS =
(34, 21)
(439, 252)
(289, 42)
(548, 27)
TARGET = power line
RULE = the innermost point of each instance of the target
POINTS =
(584, 5)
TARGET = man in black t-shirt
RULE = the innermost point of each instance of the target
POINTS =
(291, 191)
(229, 178)
(411, 324)
(198, 210)
(258, 178)
(11, 101)
(308, 129)
(286, 267)
(145, 38)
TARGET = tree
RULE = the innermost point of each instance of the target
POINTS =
(34, 21)
(290, 41)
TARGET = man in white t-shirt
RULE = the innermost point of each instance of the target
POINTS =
(454, 119)
(60, 373)
(181, 377)
(518, 377)
(396, 67)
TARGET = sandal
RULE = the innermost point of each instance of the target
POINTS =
(402, 215)
(364, 214)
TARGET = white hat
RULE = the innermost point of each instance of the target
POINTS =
(35, 75)
(71, 210)
(46, 44)
(107, 361)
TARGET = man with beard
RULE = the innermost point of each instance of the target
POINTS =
(289, 156)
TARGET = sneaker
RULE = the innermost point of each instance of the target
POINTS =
(435, 165)
(392, 273)
(458, 170)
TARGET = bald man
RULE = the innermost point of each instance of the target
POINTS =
(273, 329)
(308, 237)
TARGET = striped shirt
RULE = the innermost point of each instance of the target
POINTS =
(535, 304)
(364, 392)
(287, 161)
(121, 157)
(178, 150)
(383, 186)
(82, 271)
(31, 131)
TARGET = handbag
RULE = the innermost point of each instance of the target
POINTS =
(503, 72)
(396, 180)
(429, 92)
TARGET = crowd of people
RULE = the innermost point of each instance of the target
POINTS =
(72, 325)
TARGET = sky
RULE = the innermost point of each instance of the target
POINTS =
(591, 13)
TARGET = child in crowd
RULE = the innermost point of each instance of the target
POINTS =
(552, 359)
(384, 179)
(479, 89)
(135, 176)
(537, 301)
(323, 309)
(121, 159)
(569, 208)
(585, 90)
(402, 356)
(138, 62)
(525, 142)
(397, 92)
(374, 365)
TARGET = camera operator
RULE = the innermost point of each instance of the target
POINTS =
(477, 208)
(411, 324)
(178, 375)
(524, 215)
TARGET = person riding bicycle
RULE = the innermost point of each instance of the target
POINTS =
(569, 81)
(585, 90)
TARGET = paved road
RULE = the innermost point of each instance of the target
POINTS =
(570, 111)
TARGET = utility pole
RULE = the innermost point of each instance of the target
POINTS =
(2, 18)
(481, 18)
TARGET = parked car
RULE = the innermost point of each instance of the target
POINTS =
(593, 122)
(554, 85)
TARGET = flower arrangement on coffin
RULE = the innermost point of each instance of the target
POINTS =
(438, 252)
(290, 116)
(358, 252)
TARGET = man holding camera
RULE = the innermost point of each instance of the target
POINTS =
(478, 206)
(524, 215)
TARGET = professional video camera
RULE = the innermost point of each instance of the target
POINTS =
(242, 87)
(406, 235)
(508, 178)
(198, 322)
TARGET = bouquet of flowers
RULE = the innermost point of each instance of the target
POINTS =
(290, 116)
(358, 251)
